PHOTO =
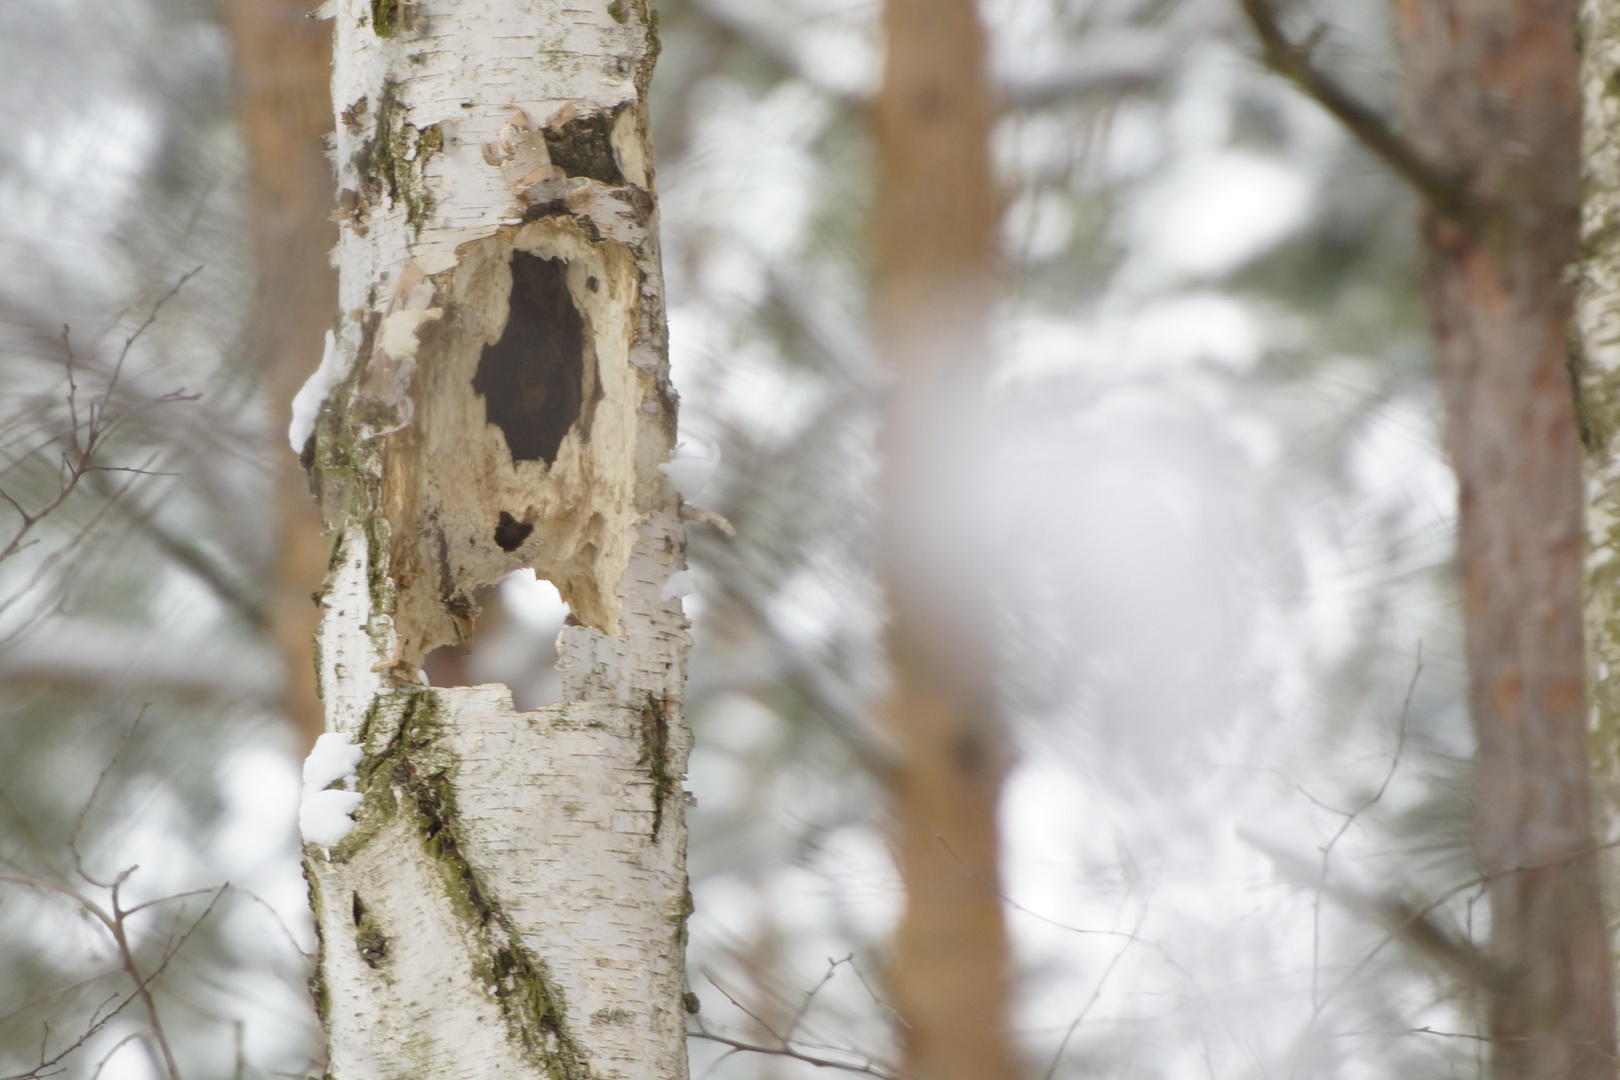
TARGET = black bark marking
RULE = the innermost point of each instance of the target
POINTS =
(584, 147)
(532, 380)
(549, 208)
(369, 940)
(510, 532)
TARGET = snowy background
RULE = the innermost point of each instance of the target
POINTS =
(1224, 538)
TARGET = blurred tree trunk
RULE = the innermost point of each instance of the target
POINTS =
(1493, 96)
(283, 65)
(511, 898)
(936, 215)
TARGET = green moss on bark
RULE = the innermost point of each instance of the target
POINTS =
(655, 757)
(319, 993)
(387, 17)
(392, 161)
(414, 774)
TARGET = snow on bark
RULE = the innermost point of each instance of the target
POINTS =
(511, 899)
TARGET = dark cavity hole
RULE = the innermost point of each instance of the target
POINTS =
(584, 147)
(532, 379)
(510, 532)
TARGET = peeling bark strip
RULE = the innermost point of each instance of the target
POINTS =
(511, 899)
(1493, 94)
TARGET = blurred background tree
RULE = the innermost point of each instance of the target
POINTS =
(1221, 521)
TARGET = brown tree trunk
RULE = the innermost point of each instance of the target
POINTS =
(1493, 94)
(283, 66)
(936, 216)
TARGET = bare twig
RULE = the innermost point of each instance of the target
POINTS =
(95, 793)
(866, 1069)
(785, 1043)
(1096, 993)
(88, 429)
(1350, 819)
(1296, 61)
(1131, 936)
(115, 920)
(247, 602)
(117, 1046)
(809, 998)
(745, 1010)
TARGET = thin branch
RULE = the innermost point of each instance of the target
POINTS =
(1403, 919)
(785, 1047)
(1350, 819)
(143, 905)
(1096, 993)
(115, 921)
(36, 1002)
(143, 982)
(95, 793)
(117, 1046)
(151, 317)
(246, 603)
(42, 571)
(1296, 62)
(24, 828)
(745, 1010)
(868, 1069)
(86, 434)
(280, 922)
(1131, 937)
(809, 999)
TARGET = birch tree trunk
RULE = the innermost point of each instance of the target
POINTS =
(510, 900)
(1598, 368)
(935, 230)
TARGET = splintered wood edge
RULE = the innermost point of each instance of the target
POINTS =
(470, 503)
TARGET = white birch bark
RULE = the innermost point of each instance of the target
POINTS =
(511, 899)
(1597, 352)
